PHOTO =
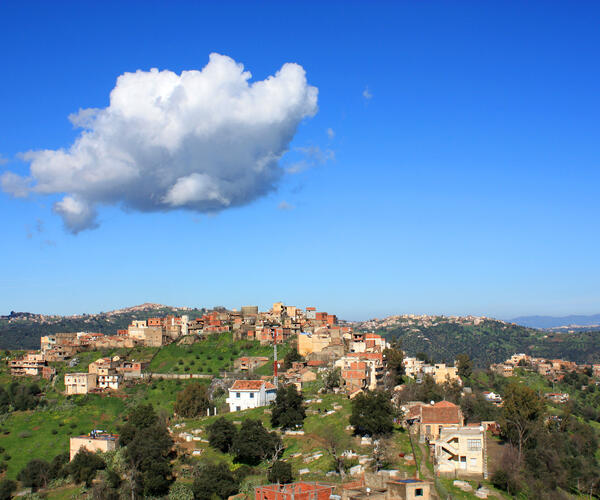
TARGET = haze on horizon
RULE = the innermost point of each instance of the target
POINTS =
(401, 158)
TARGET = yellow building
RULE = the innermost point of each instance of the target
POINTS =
(312, 342)
(460, 452)
(443, 373)
(95, 441)
(79, 383)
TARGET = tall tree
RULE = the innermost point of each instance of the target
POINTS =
(288, 410)
(394, 362)
(214, 480)
(522, 412)
(221, 434)
(192, 401)
(464, 366)
(372, 414)
(253, 443)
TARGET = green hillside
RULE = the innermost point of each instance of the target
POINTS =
(23, 330)
(493, 341)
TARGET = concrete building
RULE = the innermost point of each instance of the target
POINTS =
(432, 419)
(79, 383)
(409, 489)
(31, 363)
(244, 394)
(302, 490)
(95, 441)
(460, 452)
(443, 373)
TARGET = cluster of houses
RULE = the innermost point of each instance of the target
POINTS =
(103, 374)
(441, 373)
(553, 369)
(457, 449)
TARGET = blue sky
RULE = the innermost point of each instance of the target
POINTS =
(452, 167)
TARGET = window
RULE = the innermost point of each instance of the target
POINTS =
(237, 394)
(251, 395)
(238, 408)
(473, 444)
(419, 492)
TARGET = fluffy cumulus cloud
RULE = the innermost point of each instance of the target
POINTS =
(202, 140)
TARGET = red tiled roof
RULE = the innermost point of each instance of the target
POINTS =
(247, 385)
(443, 412)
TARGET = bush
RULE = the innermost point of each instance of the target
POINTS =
(25, 434)
(288, 410)
(214, 480)
(253, 443)
(7, 488)
(54, 431)
(84, 466)
(35, 474)
(502, 480)
(192, 401)
(221, 434)
(180, 491)
(220, 357)
(281, 472)
(180, 362)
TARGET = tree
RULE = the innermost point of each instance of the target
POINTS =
(221, 434)
(148, 449)
(58, 466)
(35, 474)
(180, 491)
(7, 488)
(288, 411)
(292, 356)
(464, 366)
(84, 466)
(394, 361)
(253, 443)
(332, 379)
(336, 441)
(214, 479)
(372, 414)
(522, 411)
(192, 401)
(280, 472)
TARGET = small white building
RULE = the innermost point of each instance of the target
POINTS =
(244, 394)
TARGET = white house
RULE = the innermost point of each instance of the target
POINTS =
(245, 394)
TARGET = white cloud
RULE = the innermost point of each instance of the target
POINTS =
(15, 184)
(285, 206)
(312, 157)
(367, 94)
(330, 133)
(202, 140)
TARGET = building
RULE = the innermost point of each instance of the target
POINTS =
(249, 363)
(32, 364)
(94, 441)
(302, 490)
(79, 383)
(443, 373)
(460, 452)
(409, 489)
(432, 419)
(244, 394)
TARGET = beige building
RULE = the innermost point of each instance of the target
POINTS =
(95, 441)
(460, 452)
(409, 489)
(79, 383)
(313, 342)
(443, 373)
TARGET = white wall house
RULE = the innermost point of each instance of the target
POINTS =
(245, 394)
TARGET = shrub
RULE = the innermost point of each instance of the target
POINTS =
(7, 488)
(281, 472)
(35, 474)
(220, 357)
(180, 362)
(25, 434)
(54, 431)
(192, 401)
(84, 466)
(221, 434)
(214, 480)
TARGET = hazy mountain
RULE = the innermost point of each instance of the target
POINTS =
(548, 322)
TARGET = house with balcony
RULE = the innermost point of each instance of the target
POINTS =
(460, 452)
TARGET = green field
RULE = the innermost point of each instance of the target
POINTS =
(211, 356)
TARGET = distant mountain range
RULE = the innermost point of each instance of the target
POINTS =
(559, 322)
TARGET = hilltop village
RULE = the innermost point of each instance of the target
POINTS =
(329, 366)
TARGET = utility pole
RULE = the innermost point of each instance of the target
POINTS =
(275, 377)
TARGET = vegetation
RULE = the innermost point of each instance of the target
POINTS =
(192, 401)
(280, 472)
(214, 480)
(288, 411)
(221, 434)
(493, 341)
(372, 414)
(253, 443)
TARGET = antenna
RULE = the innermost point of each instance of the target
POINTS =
(275, 378)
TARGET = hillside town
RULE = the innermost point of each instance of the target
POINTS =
(324, 345)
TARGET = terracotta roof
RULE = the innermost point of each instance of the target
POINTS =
(443, 412)
(248, 385)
